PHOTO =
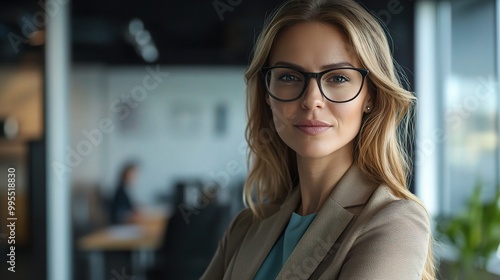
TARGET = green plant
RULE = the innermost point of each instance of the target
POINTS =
(475, 233)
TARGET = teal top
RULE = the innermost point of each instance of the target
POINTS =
(282, 249)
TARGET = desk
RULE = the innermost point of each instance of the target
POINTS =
(142, 239)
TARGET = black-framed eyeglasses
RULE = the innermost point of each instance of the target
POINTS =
(337, 85)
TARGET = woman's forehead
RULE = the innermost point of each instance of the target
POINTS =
(313, 45)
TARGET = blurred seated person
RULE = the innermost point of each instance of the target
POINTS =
(122, 209)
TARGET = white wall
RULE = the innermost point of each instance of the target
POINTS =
(170, 129)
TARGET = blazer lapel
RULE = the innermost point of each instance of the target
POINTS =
(261, 237)
(353, 189)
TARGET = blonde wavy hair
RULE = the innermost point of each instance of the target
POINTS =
(379, 149)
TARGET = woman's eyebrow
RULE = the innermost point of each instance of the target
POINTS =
(337, 65)
(284, 63)
(324, 67)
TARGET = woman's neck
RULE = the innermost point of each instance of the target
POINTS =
(318, 177)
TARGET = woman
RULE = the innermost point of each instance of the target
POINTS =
(327, 186)
(122, 209)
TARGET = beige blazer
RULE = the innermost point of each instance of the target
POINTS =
(362, 232)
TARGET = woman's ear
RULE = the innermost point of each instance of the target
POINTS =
(368, 104)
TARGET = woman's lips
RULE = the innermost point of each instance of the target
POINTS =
(312, 127)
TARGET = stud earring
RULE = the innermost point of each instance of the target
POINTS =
(368, 109)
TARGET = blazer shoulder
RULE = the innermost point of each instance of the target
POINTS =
(390, 239)
(385, 207)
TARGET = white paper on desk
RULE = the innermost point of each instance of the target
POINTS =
(125, 231)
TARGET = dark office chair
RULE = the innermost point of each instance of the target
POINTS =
(190, 241)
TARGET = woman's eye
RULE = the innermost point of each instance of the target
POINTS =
(339, 79)
(289, 78)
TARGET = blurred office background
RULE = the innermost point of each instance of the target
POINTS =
(88, 86)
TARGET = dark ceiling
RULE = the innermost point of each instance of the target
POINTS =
(183, 32)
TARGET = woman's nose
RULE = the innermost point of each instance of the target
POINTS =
(313, 98)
